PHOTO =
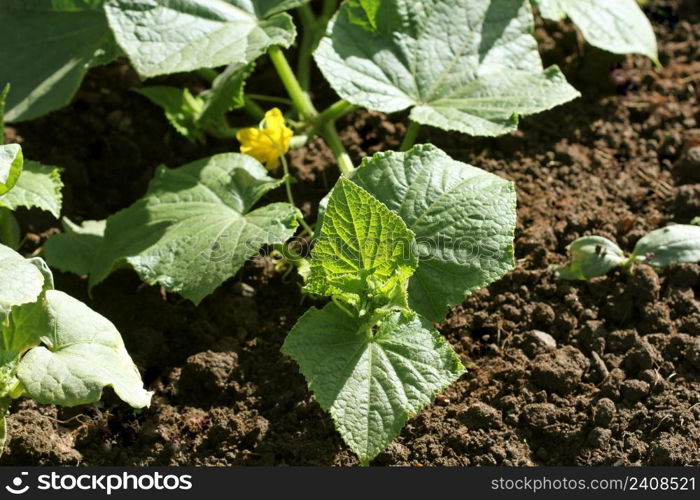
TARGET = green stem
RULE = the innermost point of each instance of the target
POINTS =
(327, 11)
(3, 96)
(271, 98)
(290, 196)
(207, 74)
(289, 253)
(9, 229)
(309, 27)
(307, 16)
(300, 99)
(334, 111)
(410, 138)
(330, 135)
(343, 307)
(253, 109)
(307, 110)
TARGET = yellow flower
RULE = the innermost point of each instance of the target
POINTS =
(268, 142)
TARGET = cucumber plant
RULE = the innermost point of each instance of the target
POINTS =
(53, 348)
(401, 240)
(593, 256)
(488, 71)
(408, 235)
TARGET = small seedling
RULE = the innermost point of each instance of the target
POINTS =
(593, 256)
(53, 348)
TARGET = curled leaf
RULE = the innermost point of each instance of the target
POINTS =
(668, 245)
(591, 256)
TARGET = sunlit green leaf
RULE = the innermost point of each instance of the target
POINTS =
(170, 36)
(82, 353)
(47, 47)
(195, 226)
(471, 66)
(618, 26)
(370, 376)
(591, 256)
(463, 218)
(39, 186)
(364, 250)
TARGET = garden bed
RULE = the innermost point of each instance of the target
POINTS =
(559, 372)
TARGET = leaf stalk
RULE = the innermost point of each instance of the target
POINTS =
(290, 195)
(334, 111)
(306, 109)
(411, 135)
(310, 26)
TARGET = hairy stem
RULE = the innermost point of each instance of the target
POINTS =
(254, 110)
(410, 138)
(207, 74)
(309, 28)
(334, 111)
(290, 196)
(307, 110)
(300, 99)
(330, 135)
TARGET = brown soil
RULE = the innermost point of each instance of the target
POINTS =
(560, 373)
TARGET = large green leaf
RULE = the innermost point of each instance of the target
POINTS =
(226, 92)
(591, 256)
(27, 323)
(471, 66)
(618, 26)
(370, 377)
(74, 249)
(194, 228)
(170, 36)
(676, 243)
(39, 186)
(462, 216)
(82, 353)
(364, 250)
(193, 116)
(22, 282)
(11, 161)
(47, 47)
(181, 108)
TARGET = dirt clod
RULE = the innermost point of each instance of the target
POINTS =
(633, 390)
(603, 412)
(480, 416)
(559, 371)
